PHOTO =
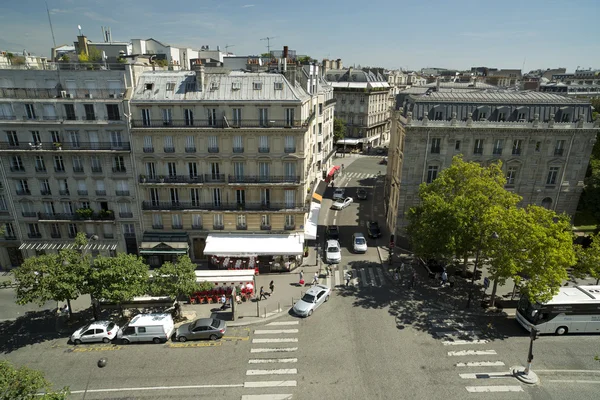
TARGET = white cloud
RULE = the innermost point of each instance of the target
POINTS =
(98, 17)
(247, 5)
(60, 11)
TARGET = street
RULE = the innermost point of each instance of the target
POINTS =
(374, 339)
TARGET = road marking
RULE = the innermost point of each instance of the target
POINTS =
(461, 342)
(96, 348)
(267, 396)
(279, 340)
(372, 276)
(480, 364)
(472, 353)
(481, 389)
(570, 381)
(457, 333)
(271, 360)
(380, 273)
(274, 350)
(197, 344)
(263, 384)
(274, 331)
(363, 277)
(582, 371)
(234, 338)
(288, 371)
(283, 323)
(487, 375)
(155, 388)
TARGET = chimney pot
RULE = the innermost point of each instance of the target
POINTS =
(285, 52)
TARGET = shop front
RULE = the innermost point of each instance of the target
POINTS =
(263, 252)
(157, 247)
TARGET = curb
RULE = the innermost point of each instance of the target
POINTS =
(270, 316)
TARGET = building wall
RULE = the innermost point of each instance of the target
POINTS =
(366, 114)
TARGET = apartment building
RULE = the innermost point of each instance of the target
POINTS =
(363, 102)
(543, 140)
(226, 162)
(65, 160)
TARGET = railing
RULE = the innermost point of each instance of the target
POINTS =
(176, 226)
(241, 227)
(478, 150)
(435, 150)
(45, 192)
(55, 235)
(289, 227)
(29, 214)
(82, 192)
(129, 235)
(558, 152)
(124, 146)
(25, 93)
(17, 169)
(221, 123)
(516, 152)
(190, 149)
(23, 192)
(96, 170)
(497, 151)
(155, 226)
(63, 192)
(122, 192)
(263, 149)
(214, 178)
(289, 150)
(172, 179)
(264, 179)
(126, 214)
(100, 192)
(197, 227)
(169, 149)
(218, 227)
(76, 217)
(238, 149)
(179, 205)
(119, 169)
(35, 235)
(213, 149)
(78, 169)
(148, 150)
(40, 169)
(265, 227)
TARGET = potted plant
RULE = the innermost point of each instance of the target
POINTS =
(84, 213)
(162, 179)
(105, 213)
(305, 251)
(57, 145)
(143, 178)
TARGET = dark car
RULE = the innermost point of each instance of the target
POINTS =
(203, 328)
(361, 194)
(374, 230)
(332, 233)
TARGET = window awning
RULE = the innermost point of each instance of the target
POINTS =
(223, 245)
(164, 248)
(348, 141)
(92, 246)
(310, 228)
(237, 276)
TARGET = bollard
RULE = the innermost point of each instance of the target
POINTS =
(102, 363)
(257, 309)
(278, 307)
(265, 308)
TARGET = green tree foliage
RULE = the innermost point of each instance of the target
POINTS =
(305, 59)
(118, 279)
(24, 384)
(175, 279)
(588, 259)
(339, 129)
(266, 55)
(161, 62)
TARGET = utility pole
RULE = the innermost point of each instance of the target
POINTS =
(227, 46)
(268, 39)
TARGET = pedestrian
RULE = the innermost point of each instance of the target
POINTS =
(315, 279)
(301, 275)
(271, 287)
(262, 294)
(223, 301)
(451, 280)
(347, 277)
(331, 183)
(413, 279)
(444, 278)
(64, 310)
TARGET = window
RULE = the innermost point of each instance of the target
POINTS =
(290, 198)
(216, 197)
(215, 171)
(290, 222)
(171, 169)
(241, 222)
(552, 175)
(240, 197)
(238, 170)
(3, 205)
(501, 116)
(289, 117)
(9, 230)
(119, 164)
(212, 116)
(218, 221)
(478, 148)
(289, 169)
(263, 144)
(55, 136)
(174, 194)
(278, 85)
(90, 114)
(113, 113)
(517, 144)
(12, 138)
(196, 221)
(30, 110)
(565, 118)
(151, 170)
(190, 146)
(188, 115)
(34, 231)
(148, 148)
(511, 175)
(521, 117)
(559, 148)
(96, 164)
(432, 172)
(145, 116)
(498, 146)
(193, 170)
(35, 137)
(6, 111)
(77, 164)
(213, 144)
(435, 145)
(116, 139)
(538, 146)
(170, 86)
(167, 118)
(263, 117)
(63, 187)
(154, 197)
(265, 221)
(265, 197)
(195, 196)
(289, 144)
(125, 210)
(59, 165)
(101, 189)
(236, 116)
(169, 147)
(74, 139)
(264, 170)
(257, 85)
(236, 85)
(70, 112)
(457, 145)
(238, 144)
(176, 222)
(438, 116)
(122, 188)
(16, 164)
(157, 222)
(82, 188)
(55, 230)
(40, 165)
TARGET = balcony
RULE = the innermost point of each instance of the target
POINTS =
(558, 152)
(172, 179)
(122, 192)
(265, 227)
(29, 214)
(169, 149)
(78, 169)
(156, 226)
(17, 169)
(82, 192)
(26, 93)
(100, 192)
(55, 235)
(176, 226)
(289, 150)
(241, 227)
(197, 227)
(289, 227)
(40, 169)
(119, 170)
(223, 124)
(264, 149)
(190, 149)
(78, 216)
(329, 102)
(52, 146)
(125, 214)
(213, 149)
(218, 227)
(23, 192)
(180, 205)
(34, 235)
(238, 150)
(96, 169)
(64, 192)
(45, 192)
(148, 150)
(214, 178)
(108, 236)
(264, 179)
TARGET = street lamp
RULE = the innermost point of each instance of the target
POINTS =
(493, 236)
(526, 375)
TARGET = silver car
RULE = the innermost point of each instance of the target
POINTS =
(203, 328)
(313, 298)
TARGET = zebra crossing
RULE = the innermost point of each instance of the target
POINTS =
(478, 362)
(362, 277)
(272, 362)
(359, 175)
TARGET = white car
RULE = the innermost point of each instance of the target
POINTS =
(313, 298)
(359, 243)
(338, 193)
(333, 253)
(342, 203)
(97, 331)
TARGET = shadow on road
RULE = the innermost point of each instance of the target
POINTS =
(31, 328)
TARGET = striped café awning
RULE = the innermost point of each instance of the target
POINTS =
(97, 246)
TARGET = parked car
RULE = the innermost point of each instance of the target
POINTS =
(361, 194)
(383, 161)
(312, 299)
(97, 331)
(332, 232)
(333, 253)
(342, 203)
(155, 328)
(339, 193)
(359, 243)
(374, 230)
(203, 328)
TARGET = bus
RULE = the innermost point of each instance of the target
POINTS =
(574, 309)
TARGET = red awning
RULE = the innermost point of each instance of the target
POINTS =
(333, 170)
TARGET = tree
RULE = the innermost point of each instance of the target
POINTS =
(339, 129)
(161, 62)
(118, 279)
(588, 259)
(266, 55)
(23, 383)
(175, 279)
(305, 59)
(58, 277)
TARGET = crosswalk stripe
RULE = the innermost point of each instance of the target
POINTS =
(486, 375)
(274, 350)
(267, 396)
(263, 384)
(461, 342)
(274, 331)
(380, 274)
(457, 333)
(480, 364)
(276, 340)
(336, 276)
(283, 323)
(472, 353)
(271, 360)
(448, 323)
(481, 389)
(372, 276)
(288, 371)
(328, 278)
(363, 277)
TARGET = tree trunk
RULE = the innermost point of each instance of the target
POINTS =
(70, 310)
(493, 295)
(597, 280)
(465, 261)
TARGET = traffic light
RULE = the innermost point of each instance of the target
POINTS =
(324, 175)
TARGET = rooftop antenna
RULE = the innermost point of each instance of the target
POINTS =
(50, 21)
(268, 39)
(227, 46)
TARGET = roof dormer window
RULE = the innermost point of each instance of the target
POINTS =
(170, 86)
(257, 85)
(214, 85)
(148, 86)
(278, 85)
(236, 85)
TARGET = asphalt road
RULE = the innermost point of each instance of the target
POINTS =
(372, 340)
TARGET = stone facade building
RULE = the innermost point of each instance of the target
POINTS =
(543, 140)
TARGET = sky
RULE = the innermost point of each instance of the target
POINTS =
(393, 34)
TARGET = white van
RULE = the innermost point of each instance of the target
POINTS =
(155, 328)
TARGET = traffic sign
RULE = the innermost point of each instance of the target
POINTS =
(486, 283)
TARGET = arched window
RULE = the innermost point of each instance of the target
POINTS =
(547, 203)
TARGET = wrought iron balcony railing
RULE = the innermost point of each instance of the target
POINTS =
(54, 146)
(181, 205)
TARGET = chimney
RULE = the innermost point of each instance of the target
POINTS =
(285, 52)
(82, 44)
(437, 85)
(198, 68)
(339, 64)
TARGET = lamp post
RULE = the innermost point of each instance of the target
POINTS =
(526, 375)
